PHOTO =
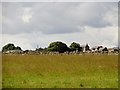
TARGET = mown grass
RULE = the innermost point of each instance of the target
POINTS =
(55, 71)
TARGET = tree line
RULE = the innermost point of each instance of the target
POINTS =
(57, 46)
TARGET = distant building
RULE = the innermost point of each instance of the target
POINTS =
(83, 48)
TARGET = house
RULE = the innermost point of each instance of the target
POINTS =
(111, 50)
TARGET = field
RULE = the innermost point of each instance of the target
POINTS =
(55, 71)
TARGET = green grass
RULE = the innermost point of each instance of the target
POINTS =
(54, 71)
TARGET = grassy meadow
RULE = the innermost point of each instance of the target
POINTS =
(55, 71)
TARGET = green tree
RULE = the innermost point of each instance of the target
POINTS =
(105, 49)
(17, 48)
(39, 49)
(75, 46)
(58, 46)
(87, 47)
(10, 46)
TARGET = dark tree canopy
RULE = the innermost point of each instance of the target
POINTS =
(39, 49)
(18, 48)
(75, 46)
(105, 49)
(58, 47)
(10, 46)
(87, 47)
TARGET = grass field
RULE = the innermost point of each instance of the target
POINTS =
(54, 71)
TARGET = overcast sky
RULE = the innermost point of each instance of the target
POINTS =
(30, 24)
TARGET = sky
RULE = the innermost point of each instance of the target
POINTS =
(28, 24)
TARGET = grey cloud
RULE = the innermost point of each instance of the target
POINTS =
(61, 30)
(55, 18)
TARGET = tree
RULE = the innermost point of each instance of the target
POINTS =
(10, 46)
(87, 47)
(58, 47)
(105, 49)
(17, 48)
(75, 46)
(39, 49)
